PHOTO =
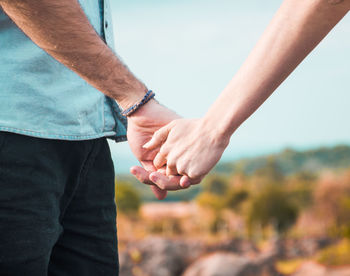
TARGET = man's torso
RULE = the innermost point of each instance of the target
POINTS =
(41, 97)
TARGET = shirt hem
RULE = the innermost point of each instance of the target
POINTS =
(109, 134)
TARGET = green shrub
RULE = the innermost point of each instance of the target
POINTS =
(127, 198)
(270, 172)
(272, 205)
(215, 184)
(235, 197)
(211, 201)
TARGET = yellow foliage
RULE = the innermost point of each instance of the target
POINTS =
(135, 255)
(211, 201)
(289, 266)
(336, 255)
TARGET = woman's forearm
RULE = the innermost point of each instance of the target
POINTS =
(192, 147)
(296, 29)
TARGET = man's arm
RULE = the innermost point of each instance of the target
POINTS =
(62, 29)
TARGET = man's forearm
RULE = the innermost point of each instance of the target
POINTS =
(293, 33)
(62, 29)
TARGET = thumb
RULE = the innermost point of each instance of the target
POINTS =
(158, 138)
(158, 192)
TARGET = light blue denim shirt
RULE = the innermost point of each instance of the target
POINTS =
(41, 97)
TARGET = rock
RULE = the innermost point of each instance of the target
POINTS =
(228, 264)
(237, 245)
(165, 257)
(218, 264)
(344, 271)
(157, 257)
(311, 268)
(305, 247)
(315, 269)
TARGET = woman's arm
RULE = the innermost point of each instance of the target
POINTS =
(193, 147)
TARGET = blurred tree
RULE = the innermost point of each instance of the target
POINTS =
(235, 197)
(291, 161)
(305, 176)
(215, 184)
(215, 204)
(301, 186)
(270, 172)
(344, 217)
(238, 179)
(271, 206)
(127, 197)
(301, 195)
(332, 202)
(211, 201)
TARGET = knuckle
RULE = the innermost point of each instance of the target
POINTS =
(181, 170)
(158, 164)
(171, 161)
(164, 150)
(171, 168)
(172, 172)
(194, 174)
(171, 164)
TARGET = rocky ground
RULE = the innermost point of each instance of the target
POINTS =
(165, 257)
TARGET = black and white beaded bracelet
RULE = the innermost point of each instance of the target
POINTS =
(148, 96)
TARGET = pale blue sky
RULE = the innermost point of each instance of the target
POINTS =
(187, 51)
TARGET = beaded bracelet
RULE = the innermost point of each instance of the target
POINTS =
(148, 96)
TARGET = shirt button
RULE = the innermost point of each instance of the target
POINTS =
(106, 24)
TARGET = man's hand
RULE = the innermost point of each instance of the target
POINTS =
(141, 127)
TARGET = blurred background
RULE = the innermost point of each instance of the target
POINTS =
(278, 203)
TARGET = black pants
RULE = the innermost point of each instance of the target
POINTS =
(57, 209)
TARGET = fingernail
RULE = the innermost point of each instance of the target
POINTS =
(186, 184)
(146, 145)
(133, 171)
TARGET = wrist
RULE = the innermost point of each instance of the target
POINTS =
(220, 131)
(132, 97)
(226, 115)
(132, 109)
(144, 112)
(152, 115)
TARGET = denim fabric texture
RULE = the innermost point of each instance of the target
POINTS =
(40, 97)
(57, 209)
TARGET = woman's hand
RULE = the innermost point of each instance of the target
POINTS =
(188, 147)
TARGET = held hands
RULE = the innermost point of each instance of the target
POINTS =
(186, 147)
(141, 126)
(174, 153)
